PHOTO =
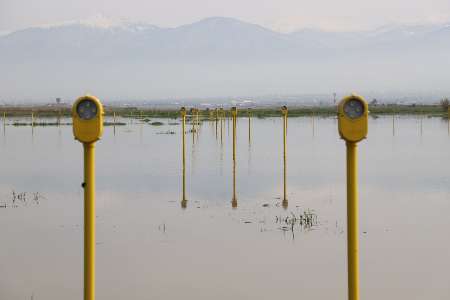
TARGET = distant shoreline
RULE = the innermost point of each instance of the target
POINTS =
(265, 111)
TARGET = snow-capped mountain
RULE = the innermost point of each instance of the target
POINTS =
(218, 56)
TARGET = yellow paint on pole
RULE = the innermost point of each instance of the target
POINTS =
(183, 122)
(221, 115)
(352, 221)
(89, 221)
(234, 116)
(87, 116)
(284, 112)
(352, 126)
(249, 126)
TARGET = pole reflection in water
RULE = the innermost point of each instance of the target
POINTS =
(183, 122)
(284, 111)
(234, 203)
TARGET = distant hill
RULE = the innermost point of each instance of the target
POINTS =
(219, 57)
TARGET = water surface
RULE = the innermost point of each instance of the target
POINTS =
(149, 247)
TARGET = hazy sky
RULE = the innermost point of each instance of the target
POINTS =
(277, 14)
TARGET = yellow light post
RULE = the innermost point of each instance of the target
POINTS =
(234, 115)
(284, 111)
(183, 122)
(87, 115)
(352, 124)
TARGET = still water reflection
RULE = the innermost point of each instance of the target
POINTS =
(148, 247)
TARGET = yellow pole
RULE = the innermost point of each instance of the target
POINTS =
(234, 137)
(284, 158)
(249, 127)
(183, 202)
(234, 200)
(221, 128)
(284, 112)
(352, 221)
(193, 125)
(89, 221)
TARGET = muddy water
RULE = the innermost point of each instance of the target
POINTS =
(149, 247)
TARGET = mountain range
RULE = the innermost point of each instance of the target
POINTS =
(219, 57)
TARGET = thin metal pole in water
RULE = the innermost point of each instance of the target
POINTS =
(89, 221)
(284, 112)
(284, 156)
(221, 127)
(352, 221)
(234, 199)
(249, 126)
(184, 201)
(193, 125)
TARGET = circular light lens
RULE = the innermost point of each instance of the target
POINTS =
(354, 109)
(87, 109)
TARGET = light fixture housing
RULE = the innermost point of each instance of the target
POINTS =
(87, 116)
(353, 113)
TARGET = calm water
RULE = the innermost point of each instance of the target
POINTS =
(148, 247)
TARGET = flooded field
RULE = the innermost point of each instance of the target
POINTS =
(151, 247)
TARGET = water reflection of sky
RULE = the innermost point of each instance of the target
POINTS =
(148, 247)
